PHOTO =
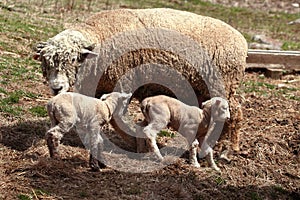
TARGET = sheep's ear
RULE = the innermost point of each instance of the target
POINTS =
(38, 49)
(36, 56)
(90, 47)
(86, 52)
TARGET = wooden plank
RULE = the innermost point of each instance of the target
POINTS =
(289, 59)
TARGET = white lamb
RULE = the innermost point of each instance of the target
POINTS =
(85, 115)
(190, 121)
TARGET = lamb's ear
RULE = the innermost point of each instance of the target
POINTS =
(205, 103)
(218, 102)
(104, 97)
(127, 95)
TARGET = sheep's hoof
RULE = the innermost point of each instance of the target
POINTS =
(236, 147)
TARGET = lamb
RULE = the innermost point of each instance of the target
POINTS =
(85, 115)
(190, 121)
(66, 54)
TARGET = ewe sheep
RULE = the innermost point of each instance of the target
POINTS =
(85, 115)
(65, 54)
(190, 121)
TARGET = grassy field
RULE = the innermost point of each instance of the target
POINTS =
(268, 168)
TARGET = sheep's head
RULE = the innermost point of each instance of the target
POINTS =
(60, 57)
(117, 101)
(219, 109)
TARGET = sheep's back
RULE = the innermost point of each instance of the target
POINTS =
(225, 46)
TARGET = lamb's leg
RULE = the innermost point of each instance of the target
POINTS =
(207, 151)
(62, 120)
(151, 132)
(96, 150)
(211, 161)
(193, 154)
(53, 137)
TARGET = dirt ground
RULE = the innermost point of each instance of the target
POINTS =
(266, 168)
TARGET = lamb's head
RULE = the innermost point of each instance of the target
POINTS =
(61, 56)
(117, 102)
(219, 109)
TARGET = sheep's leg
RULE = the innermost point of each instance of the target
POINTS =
(53, 137)
(235, 137)
(193, 154)
(151, 132)
(236, 125)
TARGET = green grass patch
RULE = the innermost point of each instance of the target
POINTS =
(8, 104)
(220, 181)
(255, 196)
(24, 197)
(267, 89)
(42, 192)
(11, 110)
(166, 133)
(38, 111)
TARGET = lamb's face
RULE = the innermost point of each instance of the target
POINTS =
(220, 109)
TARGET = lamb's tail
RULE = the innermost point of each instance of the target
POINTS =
(145, 106)
(51, 113)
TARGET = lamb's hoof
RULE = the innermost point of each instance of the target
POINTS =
(216, 168)
(195, 164)
(54, 156)
(224, 156)
(96, 165)
(101, 165)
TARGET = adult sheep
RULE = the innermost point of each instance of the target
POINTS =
(225, 50)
